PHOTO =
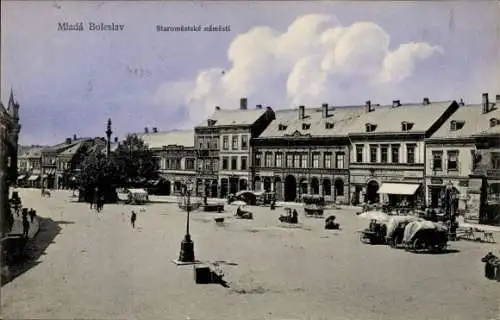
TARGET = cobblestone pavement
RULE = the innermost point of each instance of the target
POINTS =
(99, 267)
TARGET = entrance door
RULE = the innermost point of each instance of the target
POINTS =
(290, 188)
(435, 195)
(371, 192)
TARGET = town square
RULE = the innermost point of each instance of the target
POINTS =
(322, 160)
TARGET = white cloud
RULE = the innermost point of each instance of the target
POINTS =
(315, 60)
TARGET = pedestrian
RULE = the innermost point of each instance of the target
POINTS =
(32, 214)
(133, 218)
(26, 224)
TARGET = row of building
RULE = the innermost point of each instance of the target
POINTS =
(365, 153)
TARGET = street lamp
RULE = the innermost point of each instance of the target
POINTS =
(187, 246)
(449, 198)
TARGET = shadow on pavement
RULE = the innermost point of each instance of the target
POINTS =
(35, 248)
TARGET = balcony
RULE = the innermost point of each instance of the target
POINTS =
(493, 173)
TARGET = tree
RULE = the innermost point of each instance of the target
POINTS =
(134, 161)
(99, 172)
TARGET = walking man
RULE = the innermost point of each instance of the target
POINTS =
(26, 224)
(133, 218)
(32, 214)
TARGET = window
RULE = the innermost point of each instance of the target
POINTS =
(244, 163)
(437, 160)
(410, 153)
(395, 153)
(215, 143)
(373, 153)
(215, 164)
(269, 159)
(306, 126)
(495, 160)
(315, 158)
(456, 125)
(244, 142)
(189, 164)
(234, 163)
(289, 160)
(493, 122)
(234, 144)
(296, 160)
(200, 143)
(359, 153)
(303, 160)
(200, 164)
(452, 160)
(370, 127)
(282, 127)
(225, 163)
(328, 125)
(383, 153)
(278, 159)
(208, 165)
(339, 160)
(225, 142)
(406, 126)
(327, 160)
(258, 159)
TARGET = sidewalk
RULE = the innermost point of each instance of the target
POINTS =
(17, 227)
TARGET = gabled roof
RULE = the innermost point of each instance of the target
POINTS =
(31, 152)
(475, 123)
(156, 140)
(341, 118)
(388, 119)
(64, 145)
(73, 149)
(234, 117)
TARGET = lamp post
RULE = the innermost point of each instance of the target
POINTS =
(187, 246)
(449, 197)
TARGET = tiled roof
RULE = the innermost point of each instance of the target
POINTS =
(73, 149)
(234, 117)
(164, 138)
(341, 117)
(388, 119)
(64, 145)
(33, 152)
(474, 123)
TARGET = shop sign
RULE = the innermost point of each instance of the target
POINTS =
(436, 181)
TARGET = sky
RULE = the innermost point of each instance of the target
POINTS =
(278, 54)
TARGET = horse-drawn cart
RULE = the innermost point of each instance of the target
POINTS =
(425, 236)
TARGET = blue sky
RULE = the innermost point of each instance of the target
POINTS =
(278, 54)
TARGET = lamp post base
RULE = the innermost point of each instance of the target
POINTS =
(187, 250)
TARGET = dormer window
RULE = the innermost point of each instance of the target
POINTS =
(329, 125)
(406, 126)
(306, 126)
(370, 127)
(211, 122)
(282, 127)
(456, 125)
(493, 122)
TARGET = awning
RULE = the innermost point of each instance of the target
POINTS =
(398, 188)
(33, 178)
(21, 177)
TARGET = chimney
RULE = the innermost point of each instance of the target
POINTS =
(302, 112)
(461, 103)
(259, 106)
(243, 103)
(426, 101)
(68, 140)
(146, 130)
(486, 103)
(368, 106)
(396, 103)
(324, 110)
(497, 100)
(116, 139)
(74, 137)
(155, 129)
(217, 108)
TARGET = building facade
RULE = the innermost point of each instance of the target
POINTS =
(9, 137)
(176, 157)
(464, 151)
(305, 151)
(388, 150)
(30, 164)
(224, 148)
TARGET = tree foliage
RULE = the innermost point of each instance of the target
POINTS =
(134, 161)
(99, 172)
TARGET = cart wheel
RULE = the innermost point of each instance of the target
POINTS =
(420, 244)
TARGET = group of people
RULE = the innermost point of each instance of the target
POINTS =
(26, 224)
(97, 201)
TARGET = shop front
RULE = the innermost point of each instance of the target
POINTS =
(401, 194)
